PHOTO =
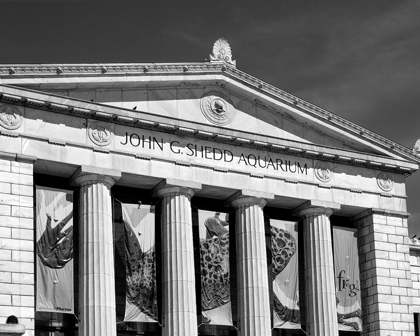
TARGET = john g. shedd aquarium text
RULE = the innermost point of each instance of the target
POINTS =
(216, 154)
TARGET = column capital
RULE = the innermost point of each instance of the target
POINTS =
(315, 207)
(251, 197)
(168, 186)
(89, 175)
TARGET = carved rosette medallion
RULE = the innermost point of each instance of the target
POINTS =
(10, 117)
(100, 133)
(385, 181)
(217, 108)
(323, 171)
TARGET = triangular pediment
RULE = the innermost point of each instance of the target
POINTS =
(200, 95)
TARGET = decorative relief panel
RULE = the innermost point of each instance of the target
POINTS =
(100, 133)
(385, 181)
(11, 117)
(323, 171)
(217, 108)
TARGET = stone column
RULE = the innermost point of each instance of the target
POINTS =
(384, 258)
(320, 298)
(96, 271)
(253, 290)
(179, 301)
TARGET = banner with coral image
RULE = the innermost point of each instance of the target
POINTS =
(54, 249)
(215, 269)
(285, 275)
(347, 280)
(140, 263)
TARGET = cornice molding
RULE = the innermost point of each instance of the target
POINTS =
(186, 131)
(64, 70)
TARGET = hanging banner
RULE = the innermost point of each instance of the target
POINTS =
(347, 281)
(54, 248)
(140, 263)
(284, 250)
(215, 269)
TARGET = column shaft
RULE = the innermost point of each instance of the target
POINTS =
(253, 290)
(320, 298)
(96, 275)
(179, 300)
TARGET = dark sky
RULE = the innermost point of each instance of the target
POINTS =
(357, 59)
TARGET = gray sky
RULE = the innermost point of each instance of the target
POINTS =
(357, 59)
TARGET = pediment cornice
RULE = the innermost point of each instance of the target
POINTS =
(144, 120)
(26, 72)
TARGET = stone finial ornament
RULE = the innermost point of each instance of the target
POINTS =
(416, 148)
(222, 52)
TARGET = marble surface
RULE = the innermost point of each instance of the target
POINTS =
(12, 329)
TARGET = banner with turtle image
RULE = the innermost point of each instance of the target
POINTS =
(54, 249)
(215, 269)
(347, 280)
(285, 275)
(140, 263)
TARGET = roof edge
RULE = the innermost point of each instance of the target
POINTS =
(30, 70)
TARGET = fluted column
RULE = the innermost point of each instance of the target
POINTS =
(97, 312)
(320, 298)
(179, 301)
(251, 256)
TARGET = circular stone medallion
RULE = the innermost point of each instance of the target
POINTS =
(217, 108)
(100, 133)
(10, 117)
(385, 181)
(323, 171)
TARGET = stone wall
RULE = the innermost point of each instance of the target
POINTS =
(415, 276)
(385, 273)
(17, 240)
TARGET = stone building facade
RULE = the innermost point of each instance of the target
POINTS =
(190, 135)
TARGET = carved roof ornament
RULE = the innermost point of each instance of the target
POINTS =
(416, 148)
(222, 52)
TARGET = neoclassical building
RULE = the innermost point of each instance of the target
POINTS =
(182, 137)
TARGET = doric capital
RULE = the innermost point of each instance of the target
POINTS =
(247, 197)
(89, 175)
(175, 191)
(315, 207)
(177, 187)
(244, 202)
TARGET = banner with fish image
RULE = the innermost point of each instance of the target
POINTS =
(285, 275)
(54, 249)
(347, 280)
(215, 269)
(140, 263)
